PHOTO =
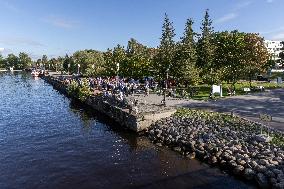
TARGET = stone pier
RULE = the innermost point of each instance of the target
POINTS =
(137, 122)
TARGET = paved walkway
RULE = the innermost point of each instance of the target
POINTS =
(248, 106)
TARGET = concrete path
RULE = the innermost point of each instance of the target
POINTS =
(249, 106)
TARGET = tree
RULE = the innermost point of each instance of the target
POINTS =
(12, 61)
(90, 61)
(109, 66)
(230, 55)
(206, 50)
(281, 54)
(138, 60)
(44, 62)
(24, 60)
(256, 55)
(163, 62)
(185, 70)
(68, 64)
(2, 62)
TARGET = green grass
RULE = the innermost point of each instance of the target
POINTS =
(274, 75)
(204, 90)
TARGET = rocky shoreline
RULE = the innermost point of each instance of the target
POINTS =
(235, 144)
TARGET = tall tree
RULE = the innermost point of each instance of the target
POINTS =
(138, 60)
(256, 55)
(68, 64)
(90, 61)
(229, 55)
(2, 62)
(24, 60)
(206, 50)
(185, 70)
(12, 61)
(164, 59)
(44, 61)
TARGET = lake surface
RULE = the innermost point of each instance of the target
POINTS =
(48, 141)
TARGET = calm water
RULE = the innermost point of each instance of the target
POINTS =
(47, 141)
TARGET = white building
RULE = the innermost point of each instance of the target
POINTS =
(274, 48)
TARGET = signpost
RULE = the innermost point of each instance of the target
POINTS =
(265, 118)
(217, 89)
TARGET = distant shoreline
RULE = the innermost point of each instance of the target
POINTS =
(12, 71)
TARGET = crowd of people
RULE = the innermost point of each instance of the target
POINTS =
(116, 88)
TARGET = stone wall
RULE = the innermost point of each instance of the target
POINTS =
(123, 116)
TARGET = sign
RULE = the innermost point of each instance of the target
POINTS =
(265, 117)
(217, 89)
(247, 89)
(279, 80)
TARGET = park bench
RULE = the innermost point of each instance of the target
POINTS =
(247, 90)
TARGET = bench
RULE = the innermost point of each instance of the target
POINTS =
(246, 90)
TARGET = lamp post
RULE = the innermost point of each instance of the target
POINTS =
(68, 68)
(117, 70)
(78, 69)
(166, 86)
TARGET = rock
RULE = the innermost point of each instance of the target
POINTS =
(249, 174)
(262, 138)
(273, 181)
(263, 162)
(279, 185)
(191, 155)
(213, 160)
(238, 170)
(262, 181)
(159, 144)
(177, 149)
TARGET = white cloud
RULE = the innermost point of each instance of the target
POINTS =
(60, 22)
(1, 49)
(242, 5)
(19, 41)
(279, 29)
(226, 18)
(278, 36)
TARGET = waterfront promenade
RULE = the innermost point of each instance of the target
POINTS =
(250, 106)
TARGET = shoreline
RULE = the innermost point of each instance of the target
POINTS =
(266, 170)
(232, 144)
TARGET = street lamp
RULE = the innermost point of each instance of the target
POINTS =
(117, 70)
(166, 86)
(78, 69)
(68, 68)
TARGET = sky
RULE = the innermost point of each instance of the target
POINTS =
(57, 27)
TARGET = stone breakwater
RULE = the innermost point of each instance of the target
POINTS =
(232, 143)
(123, 115)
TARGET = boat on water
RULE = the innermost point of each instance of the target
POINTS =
(35, 73)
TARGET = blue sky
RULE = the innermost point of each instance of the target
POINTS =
(56, 27)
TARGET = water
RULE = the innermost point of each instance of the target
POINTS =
(47, 141)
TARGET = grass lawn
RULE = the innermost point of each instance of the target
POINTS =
(204, 90)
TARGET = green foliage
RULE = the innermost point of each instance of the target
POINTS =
(2, 62)
(12, 61)
(91, 62)
(185, 70)
(24, 60)
(164, 59)
(81, 92)
(206, 51)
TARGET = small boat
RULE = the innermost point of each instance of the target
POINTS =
(11, 69)
(35, 73)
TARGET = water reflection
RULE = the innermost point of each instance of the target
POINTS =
(48, 141)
